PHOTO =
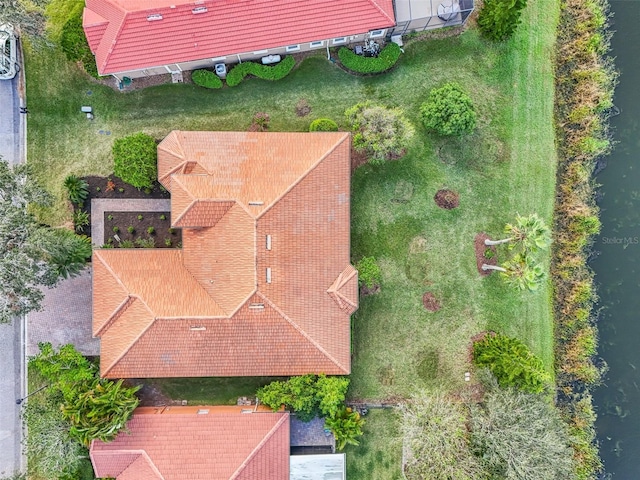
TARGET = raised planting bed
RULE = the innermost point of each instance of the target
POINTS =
(141, 230)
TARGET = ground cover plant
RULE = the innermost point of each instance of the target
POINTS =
(505, 166)
(386, 59)
(131, 227)
(135, 159)
(266, 72)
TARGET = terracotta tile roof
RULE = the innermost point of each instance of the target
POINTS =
(221, 444)
(264, 291)
(131, 42)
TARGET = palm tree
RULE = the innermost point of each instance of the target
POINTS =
(530, 233)
(520, 272)
(346, 426)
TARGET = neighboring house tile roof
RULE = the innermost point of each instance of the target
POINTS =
(262, 286)
(177, 443)
(122, 38)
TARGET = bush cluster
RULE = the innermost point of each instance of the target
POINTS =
(266, 72)
(584, 90)
(323, 125)
(135, 159)
(206, 79)
(449, 111)
(499, 19)
(77, 189)
(74, 44)
(369, 273)
(387, 58)
(511, 362)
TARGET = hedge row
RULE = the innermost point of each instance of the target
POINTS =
(585, 81)
(361, 64)
(266, 72)
(206, 79)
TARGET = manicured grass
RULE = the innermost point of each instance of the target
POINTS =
(506, 167)
(211, 390)
(379, 455)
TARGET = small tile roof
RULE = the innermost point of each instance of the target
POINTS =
(179, 443)
(262, 286)
(123, 39)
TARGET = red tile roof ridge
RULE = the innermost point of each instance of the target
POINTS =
(134, 469)
(346, 136)
(258, 447)
(114, 316)
(320, 348)
(383, 11)
(112, 452)
(115, 361)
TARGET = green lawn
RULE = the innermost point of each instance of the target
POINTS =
(506, 167)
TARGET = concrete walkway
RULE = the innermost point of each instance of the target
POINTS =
(101, 205)
(65, 317)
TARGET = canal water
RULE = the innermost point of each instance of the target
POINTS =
(618, 265)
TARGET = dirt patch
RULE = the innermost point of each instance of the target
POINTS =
(364, 290)
(482, 254)
(150, 395)
(357, 159)
(302, 108)
(418, 245)
(145, 225)
(430, 302)
(447, 199)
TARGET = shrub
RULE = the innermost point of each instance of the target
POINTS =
(130, 229)
(140, 217)
(77, 189)
(74, 44)
(511, 362)
(116, 229)
(361, 64)
(498, 19)
(151, 230)
(206, 79)
(135, 159)
(266, 72)
(380, 132)
(163, 217)
(145, 242)
(64, 251)
(369, 273)
(109, 217)
(323, 125)
(126, 244)
(448, 111)
(346, 426)
(80, 220)
(167, 242)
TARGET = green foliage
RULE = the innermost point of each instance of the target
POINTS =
(511, 362)
(94, 407)
(498, 19)
(100, 410)
(80, 220)
(449, 111)
(522, 272)
(346, 426)
(74, 44)
(64, 251)
(77, 189)
(206, 79)
(529, 234)
(135, 159)
(369, 273)
(145, 242)
(266, 72)
(435, 440)
(323, 125)
(306, 395)
(387, 58)
(519, 436)
(58, 12)
(380, 132)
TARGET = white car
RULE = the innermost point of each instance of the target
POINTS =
(8, 65)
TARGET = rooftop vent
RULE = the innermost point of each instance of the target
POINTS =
(268, 274)
(154, 17)
(197, 328)
(198, 10)
(256, 203)
(256, 306)
(268, 242)
(203, 411)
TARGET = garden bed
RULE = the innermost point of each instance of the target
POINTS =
(132, 226)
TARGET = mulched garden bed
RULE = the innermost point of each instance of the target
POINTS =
(115, 187)
(159, 222)
(481, 248)
(447, 199)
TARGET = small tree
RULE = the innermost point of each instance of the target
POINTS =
(346, 426)
(77, 189)
(499, 19)
(511, 362)
(380, 132)
(330, 393)
(519, 436)
(448, 111)
(323, 125)
(520, 272)
(530, 234)
(436, 442)
(64, 251)
(135, 159)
